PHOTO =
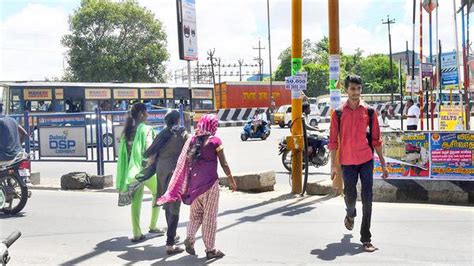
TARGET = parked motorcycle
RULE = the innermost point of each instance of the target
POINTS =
(4, 256)
(317, 156)
(262, 132)
(13, 184)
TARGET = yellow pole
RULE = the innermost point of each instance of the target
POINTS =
(333, 17)
(296, 101)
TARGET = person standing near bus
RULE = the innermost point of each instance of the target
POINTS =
(136, 138)
(412, 115)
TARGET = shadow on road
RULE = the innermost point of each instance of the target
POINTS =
(137, 252)
(343, 248)
(12, 216)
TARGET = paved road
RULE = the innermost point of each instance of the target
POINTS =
(250, 156)
(254, 229)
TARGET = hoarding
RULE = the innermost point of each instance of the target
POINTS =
(62, 142)
(428, 156)
(187, 33)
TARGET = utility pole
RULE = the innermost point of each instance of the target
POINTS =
(220, 84)
(210, 56)
(260, 60)
(334, 64)
(388, 22)
(241, 62)
(296, 99)
(270, 56)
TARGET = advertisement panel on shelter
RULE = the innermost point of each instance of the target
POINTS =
(62, 142)
(407, 156)
(451, 156)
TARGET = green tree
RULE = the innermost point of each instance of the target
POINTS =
(375, 72)
(115, 41)
(312, 53)
(318, 79)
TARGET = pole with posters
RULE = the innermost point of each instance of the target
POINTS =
(296, 98)
(413, 50)
(422, 101)
(269, 56)
(466, 71)
(401, 91)
(187, 37)
(458, 64)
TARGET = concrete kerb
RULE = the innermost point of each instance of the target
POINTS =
(417, 191)
(246, 182)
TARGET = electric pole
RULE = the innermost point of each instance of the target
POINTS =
(388, 22)
(241, 62)
(260, 60)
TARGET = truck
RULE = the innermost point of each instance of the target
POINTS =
(250, 94)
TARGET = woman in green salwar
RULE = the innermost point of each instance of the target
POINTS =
(136, 138)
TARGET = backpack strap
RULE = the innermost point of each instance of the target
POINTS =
(370, 111)
(339, 115)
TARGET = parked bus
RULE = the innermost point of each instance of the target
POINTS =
(71, 97)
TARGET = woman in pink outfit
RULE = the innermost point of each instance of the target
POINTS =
(196, 182)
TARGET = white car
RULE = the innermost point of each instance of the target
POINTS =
(283, 116)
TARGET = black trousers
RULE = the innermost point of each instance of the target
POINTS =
(350, 174)
(172, 220)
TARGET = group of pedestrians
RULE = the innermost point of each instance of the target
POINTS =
(176, 167)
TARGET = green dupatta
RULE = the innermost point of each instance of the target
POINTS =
(129, 168)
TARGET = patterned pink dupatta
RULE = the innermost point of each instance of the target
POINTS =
(207, 125)
(178, 182)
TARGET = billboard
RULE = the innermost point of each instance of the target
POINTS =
(62, 142)
(451, 117)
(428, 156)
(187, 33)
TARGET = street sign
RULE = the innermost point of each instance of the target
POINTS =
(427, 70)
(449, 69)
(416, 84)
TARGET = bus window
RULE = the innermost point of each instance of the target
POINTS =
(202, 104)
(39, 106)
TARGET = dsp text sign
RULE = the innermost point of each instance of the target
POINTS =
(62, 142)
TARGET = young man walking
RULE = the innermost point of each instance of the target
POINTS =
(349, 127)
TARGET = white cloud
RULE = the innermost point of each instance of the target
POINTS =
(30, 45)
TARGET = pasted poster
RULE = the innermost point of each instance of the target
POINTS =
(451, 118)
(407, 156)
(451, 156)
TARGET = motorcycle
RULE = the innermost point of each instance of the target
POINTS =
(262, 132)
(317, 156)
(13, 184)
(4, 256)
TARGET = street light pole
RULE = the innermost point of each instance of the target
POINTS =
(241, 62)
(388, 22)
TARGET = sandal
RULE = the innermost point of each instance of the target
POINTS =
(368, 247)
(215, 254)
(189, 247)
(174, 250)
(157, 231)
(349, 223)
(138, 239)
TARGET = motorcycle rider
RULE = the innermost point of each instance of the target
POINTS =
(11, 137)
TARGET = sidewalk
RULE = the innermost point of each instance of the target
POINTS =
(272, 228)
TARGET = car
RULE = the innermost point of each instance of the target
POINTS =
(283, 116)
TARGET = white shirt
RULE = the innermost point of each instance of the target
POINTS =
(413, 111)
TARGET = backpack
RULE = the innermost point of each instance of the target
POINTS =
(370, 111)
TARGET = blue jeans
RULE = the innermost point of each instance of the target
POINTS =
(350, 175)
